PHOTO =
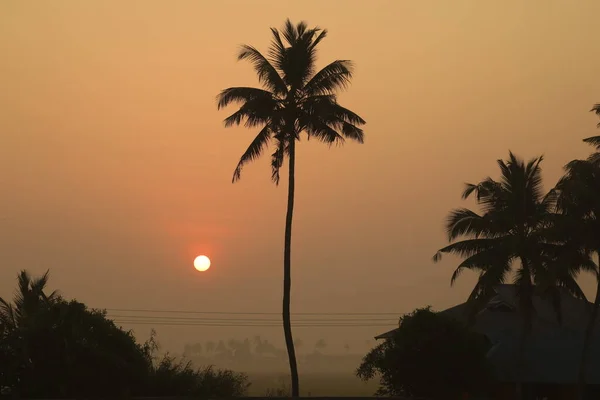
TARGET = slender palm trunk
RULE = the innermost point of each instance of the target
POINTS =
(587, 341)
(287, 276)
(521, 360)
(526, 308)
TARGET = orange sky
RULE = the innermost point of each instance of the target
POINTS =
(115, 169)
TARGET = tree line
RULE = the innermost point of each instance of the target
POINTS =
(245, 349)
(51, 347)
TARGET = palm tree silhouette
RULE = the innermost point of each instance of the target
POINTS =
(579, 201)
(28, 300)
(513, 227)
(594, 140)
(295, 99)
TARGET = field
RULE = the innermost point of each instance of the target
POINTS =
(321, 384)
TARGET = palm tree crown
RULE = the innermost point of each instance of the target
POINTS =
(512, 228)
(294, 97)
(28, 300)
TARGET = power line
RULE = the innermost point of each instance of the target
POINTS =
(258, 325)
(245, 312)
(307, 320)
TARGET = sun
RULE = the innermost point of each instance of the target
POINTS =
(202, 263)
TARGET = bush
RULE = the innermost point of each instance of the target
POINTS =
(429, 356)
(53, 348)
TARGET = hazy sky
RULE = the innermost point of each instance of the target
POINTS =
(115, 168)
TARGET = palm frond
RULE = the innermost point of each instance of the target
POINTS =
(7, 315)
(322, 34)
(277, 51)
(254, 150)
(327, 108)
(298, 62)
(335, 76)
(266, 72)
(323, 117)
(243, 95)
(277, 159)
(593, 140)
(255, 112)
(464, 222)
(290, 31)
(596, 109)
(485, 288)
(469, 247)
(482, 261)
(323, 132)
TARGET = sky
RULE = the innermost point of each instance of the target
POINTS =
(115, 167)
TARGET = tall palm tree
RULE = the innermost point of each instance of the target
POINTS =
(579, 201)
(294, 99)
(511, 229)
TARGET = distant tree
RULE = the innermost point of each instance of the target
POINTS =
(221, 347)
(320, 345)
(295, 99)
(169, 377)
(258, 345)
(233, 344)
(192, 350)
(264, 347)
(210, 346)
(429, 356)
(243, 351)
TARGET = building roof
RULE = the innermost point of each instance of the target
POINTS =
(553, 351)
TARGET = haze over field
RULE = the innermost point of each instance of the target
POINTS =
(115, 167)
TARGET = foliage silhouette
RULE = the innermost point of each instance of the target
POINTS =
(594, 140)
(430, 356)
(295, 99)
(169, 377)
(579, 202)
(516, 226)
(320, 344)
(51, 347)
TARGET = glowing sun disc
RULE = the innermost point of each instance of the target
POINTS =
(202, 263)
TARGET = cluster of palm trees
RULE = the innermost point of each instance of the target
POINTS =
(544, 240)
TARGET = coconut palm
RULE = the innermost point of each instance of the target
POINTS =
(594, 140)
(579, 201)
(514, 212)
(294, 99)
(511, 230)
(28, 300)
